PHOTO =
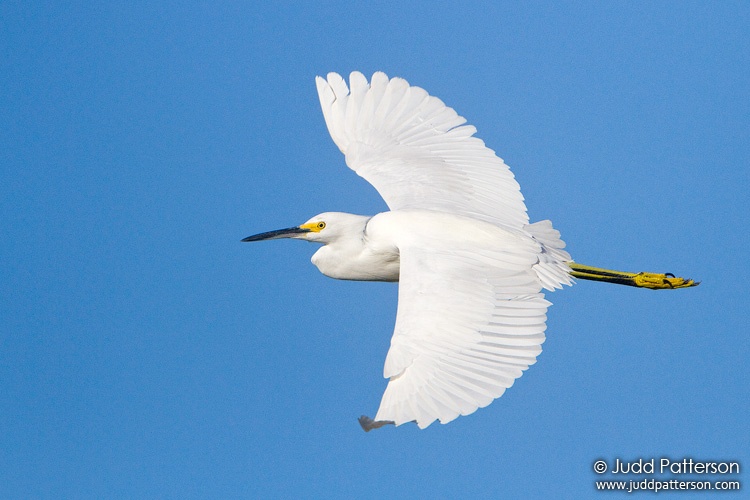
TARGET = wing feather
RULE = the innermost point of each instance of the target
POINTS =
(469, 322)
(416, 151)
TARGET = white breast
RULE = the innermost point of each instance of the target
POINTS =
(358, 259)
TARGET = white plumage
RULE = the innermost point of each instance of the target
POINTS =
(471, 315)
(416, 151)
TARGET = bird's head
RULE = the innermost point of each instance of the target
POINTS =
(323, 228)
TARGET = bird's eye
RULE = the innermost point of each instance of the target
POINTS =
(321, 225)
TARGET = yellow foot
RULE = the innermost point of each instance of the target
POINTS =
(653, 281)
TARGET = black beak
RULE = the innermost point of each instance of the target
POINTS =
(279, 233)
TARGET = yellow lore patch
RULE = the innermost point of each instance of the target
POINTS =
(314, 227)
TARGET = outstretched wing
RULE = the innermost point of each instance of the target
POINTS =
(469, 323)
(416, 151)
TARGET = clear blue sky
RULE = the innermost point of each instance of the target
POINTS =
(146, 352)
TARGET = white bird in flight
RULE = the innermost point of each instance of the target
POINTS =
(471, 269)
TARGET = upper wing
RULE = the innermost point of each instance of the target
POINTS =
(416, 151)
(468, 324)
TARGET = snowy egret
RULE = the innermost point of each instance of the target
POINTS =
(471, 269)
